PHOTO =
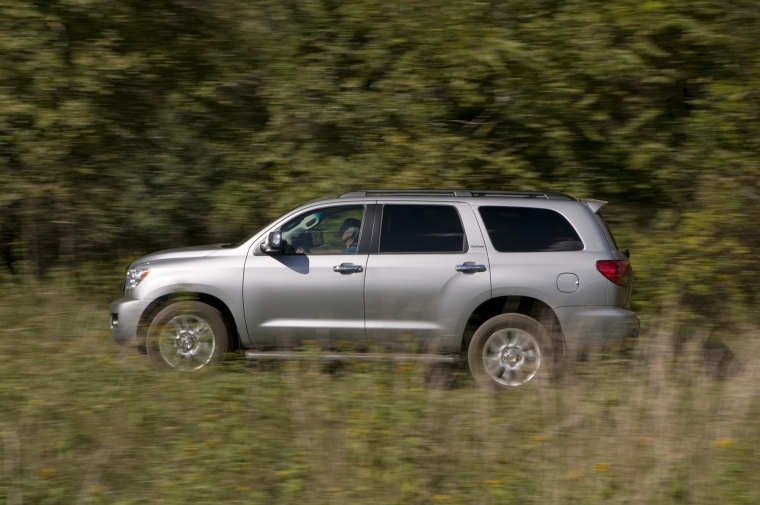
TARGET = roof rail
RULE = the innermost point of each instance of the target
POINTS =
(406, 192)
(549, 195)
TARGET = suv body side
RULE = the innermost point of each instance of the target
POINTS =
(427, 298)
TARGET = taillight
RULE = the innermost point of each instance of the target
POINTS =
(617, 271)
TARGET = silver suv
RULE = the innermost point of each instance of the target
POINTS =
(516, 283)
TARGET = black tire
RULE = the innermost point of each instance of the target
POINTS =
(187, 336)
(511, 350)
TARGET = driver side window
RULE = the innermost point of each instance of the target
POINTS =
(329, 230)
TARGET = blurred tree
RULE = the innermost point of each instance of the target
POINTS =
(142, 124)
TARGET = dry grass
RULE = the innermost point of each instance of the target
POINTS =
(84, 421)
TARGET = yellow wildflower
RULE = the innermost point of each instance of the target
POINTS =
(47, 472)
(602, 467)
(724, 442)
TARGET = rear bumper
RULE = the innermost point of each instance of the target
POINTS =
(597, 327)
(125, 320)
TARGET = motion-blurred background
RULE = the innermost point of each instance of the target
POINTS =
(131, 126)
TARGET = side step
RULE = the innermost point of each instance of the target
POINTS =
(352, 356)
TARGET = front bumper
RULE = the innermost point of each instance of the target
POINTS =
(597, 327)
(125, 320)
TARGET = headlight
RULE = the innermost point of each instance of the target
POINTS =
(134, 277)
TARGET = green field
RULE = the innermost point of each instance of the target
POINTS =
(84, 421)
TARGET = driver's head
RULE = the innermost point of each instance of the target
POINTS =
(351, 225)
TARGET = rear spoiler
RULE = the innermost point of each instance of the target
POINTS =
(594, 205)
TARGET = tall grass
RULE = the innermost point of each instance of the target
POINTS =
(83, 421)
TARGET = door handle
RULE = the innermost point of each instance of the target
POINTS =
(470, 267)
(348, 268)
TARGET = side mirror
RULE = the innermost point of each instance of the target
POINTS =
(273, 244)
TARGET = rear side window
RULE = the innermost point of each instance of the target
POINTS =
(525, 229)
(421, 229)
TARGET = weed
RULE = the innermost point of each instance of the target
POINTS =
(83, 420)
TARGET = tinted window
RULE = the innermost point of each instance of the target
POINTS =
(521, 229)
(421, 229)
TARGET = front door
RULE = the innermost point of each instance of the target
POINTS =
(314, 291)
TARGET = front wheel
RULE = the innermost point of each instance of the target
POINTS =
(510, 350)
(186, 336)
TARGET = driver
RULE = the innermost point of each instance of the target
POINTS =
(349, 234)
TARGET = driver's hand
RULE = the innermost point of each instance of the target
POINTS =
(300, 250)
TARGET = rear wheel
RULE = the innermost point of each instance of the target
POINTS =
(510, 350)
(187, 336)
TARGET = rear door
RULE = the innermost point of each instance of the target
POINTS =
(427, 271)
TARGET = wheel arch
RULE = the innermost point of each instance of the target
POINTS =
(516, 304)
(161, 302)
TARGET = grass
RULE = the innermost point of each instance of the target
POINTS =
(83, 421)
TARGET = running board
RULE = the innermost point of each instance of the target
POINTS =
(351, 356)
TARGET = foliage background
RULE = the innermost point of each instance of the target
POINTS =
(136, 125)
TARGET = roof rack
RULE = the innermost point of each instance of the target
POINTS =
(549, 195)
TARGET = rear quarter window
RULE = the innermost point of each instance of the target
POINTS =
(526, 229)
